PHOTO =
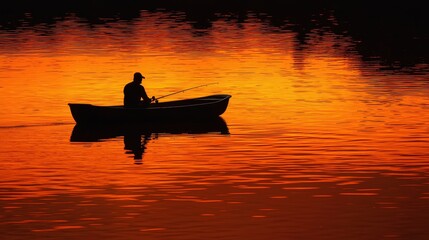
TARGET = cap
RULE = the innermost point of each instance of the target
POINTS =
(138, 75)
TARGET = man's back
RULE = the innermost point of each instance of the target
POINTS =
(133, 92)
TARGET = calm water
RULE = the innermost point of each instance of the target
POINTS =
(321, 140)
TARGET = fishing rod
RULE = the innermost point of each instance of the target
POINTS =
(183, 90)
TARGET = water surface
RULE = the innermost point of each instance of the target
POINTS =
(324, 137)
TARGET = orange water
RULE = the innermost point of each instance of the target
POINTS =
(320, 144)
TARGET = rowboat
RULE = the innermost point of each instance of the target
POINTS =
(189, 109)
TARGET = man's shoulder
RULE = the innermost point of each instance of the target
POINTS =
(132, 85)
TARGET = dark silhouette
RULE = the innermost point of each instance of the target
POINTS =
(135, 144)
(100, 132)
(134, 92)
(137, 136)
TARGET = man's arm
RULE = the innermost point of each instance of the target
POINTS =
(144, 95)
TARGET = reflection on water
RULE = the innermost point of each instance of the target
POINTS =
(329, 130)
(136, 136)
(403, 34)
(136, 144)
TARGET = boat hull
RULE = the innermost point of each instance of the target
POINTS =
(189, 109)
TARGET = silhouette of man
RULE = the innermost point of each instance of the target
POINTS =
(134, 92)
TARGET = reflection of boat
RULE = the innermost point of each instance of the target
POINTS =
(136, 136)
(196, 108)
(93, 133)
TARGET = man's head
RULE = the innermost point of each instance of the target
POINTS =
(138, 77)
